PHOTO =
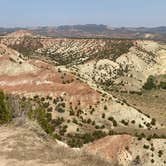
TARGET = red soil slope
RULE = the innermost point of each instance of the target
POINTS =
(46, 80)
(110, 147)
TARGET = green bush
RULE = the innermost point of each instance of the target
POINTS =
(58, 121)
(146, 146)
(114, 123)
(71, 112)
(160, 153)
(105, 107)
(60, 110)
(153, 121)
(57, 136)
(150, 83)
(103, 115)
(78, 140)
(162, 85)
(43, 118)
(73, 142)
(5, 112)
(137, 160)
(125, 122)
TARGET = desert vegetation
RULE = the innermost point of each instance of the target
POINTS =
(87, 93)
(5, 112)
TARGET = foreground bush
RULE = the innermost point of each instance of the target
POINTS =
(43, 118)
(5, 113)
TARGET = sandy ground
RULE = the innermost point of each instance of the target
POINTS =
(29, 145)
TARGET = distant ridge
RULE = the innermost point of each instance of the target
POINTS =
(95, 31)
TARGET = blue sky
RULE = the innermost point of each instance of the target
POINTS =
(116, 13)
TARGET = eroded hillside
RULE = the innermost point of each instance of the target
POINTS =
(83, 92)
(125, 64)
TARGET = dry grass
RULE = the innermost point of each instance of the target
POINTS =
(26, 147)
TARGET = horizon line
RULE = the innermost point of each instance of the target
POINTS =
(54, 26)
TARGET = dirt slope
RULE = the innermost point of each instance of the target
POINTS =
(26, 146)
(130, 151)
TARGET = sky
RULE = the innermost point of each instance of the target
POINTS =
(114, 13)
